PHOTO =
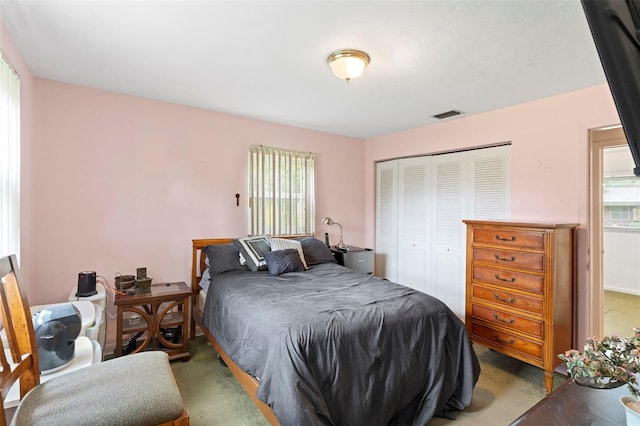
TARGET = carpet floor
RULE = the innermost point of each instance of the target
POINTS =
(506, 389)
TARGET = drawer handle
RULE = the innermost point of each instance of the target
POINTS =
(504, 259)
(512, 238)
(512, 300)
(509, 342)
(510, 321)
(506, 280)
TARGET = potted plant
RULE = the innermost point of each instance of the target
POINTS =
(608, 363)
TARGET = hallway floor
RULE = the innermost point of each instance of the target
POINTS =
(621, 313)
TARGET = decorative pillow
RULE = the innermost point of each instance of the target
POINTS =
(253, 250)
(283, 243)
(222, 258)
(315, 251)
(281, 261)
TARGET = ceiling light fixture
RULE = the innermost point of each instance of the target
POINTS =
(348, 64)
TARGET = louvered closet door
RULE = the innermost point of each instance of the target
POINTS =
(413, 222)
(489, 195)
(386, 261)
(420, 236)
(446, 278)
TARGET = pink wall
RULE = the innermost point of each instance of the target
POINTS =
(549, 157)
(14, 57)
(123, 182)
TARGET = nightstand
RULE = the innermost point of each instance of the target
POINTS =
(356, 258)
(155, 318)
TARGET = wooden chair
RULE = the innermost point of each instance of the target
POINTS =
(136, 389)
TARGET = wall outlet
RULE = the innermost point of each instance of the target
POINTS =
(141, 273)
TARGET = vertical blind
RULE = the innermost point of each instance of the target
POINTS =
(9, 159)
(281, 191)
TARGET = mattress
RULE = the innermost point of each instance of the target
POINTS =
(334, 346)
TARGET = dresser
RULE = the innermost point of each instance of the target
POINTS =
(520, 290)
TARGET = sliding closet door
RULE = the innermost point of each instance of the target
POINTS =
(421, 202)
(466, 185)
(489, 192)
(413, 222)
(386, 261)
(446, 277)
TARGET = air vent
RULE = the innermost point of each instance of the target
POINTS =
(447, 114)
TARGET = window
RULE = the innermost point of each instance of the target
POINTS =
(620, 194)
(619, 213)
(9, 159)
(281, 192)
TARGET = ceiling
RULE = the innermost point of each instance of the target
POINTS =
(267, 59)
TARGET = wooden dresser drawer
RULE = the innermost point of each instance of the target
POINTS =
(506, 340)
(520, 293)
(510, 259)
(509, 279)
(507, 298)
(508, 319)
(510, 238)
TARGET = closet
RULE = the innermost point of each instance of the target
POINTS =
(420, 205)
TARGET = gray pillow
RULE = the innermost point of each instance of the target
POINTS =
(283, 243)
(222, 258)
(315, 251)
(281, 261)
(252, 250)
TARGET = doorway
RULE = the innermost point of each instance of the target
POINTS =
(615, 236)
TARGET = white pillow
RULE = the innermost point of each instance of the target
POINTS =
(205, 280)
(283, 243)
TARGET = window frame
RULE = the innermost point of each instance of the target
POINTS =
(281, 186)
(9, 158)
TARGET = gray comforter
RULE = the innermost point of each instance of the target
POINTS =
(334, 346)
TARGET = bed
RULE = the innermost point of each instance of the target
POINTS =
(325, 345)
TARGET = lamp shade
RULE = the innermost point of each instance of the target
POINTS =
(348, 64)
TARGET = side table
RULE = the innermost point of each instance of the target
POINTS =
(155, 318)
(573, 404)
(356, 258)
